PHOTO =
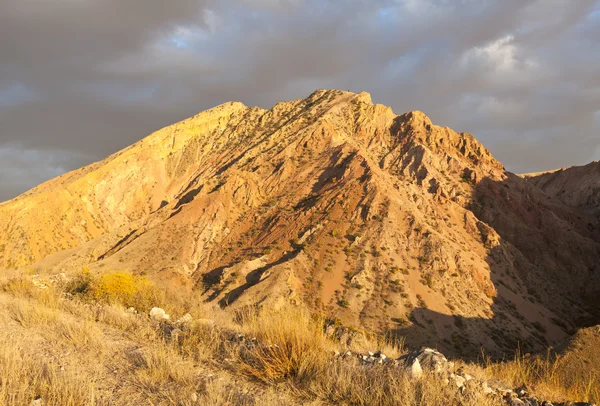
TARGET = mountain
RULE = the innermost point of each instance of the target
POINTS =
(577, 187)
(384, 222)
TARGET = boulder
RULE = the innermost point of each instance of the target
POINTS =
(429, 359)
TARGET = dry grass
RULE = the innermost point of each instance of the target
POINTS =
(202, 342)
(19, 287)
(290, 345)
(162, 375)
(547, 377)
(30, 314)
(83, 335)
(24, 377)
(284, 358)
(343, 383)
(294, 350)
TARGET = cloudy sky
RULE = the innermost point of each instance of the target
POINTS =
(80, 79)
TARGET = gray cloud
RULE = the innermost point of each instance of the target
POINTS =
(80, 79)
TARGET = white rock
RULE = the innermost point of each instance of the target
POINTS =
(159, 314)
(415, 371)
(459, 381)
(486, 389)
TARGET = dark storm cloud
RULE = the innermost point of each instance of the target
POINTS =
(80, 79)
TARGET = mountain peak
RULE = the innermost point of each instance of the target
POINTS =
(330, 201)
(417, 117)
(364, 97)
(229, 107)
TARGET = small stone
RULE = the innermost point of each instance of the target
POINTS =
(37, 401)
(159, 314)
(131, 310)
(194, 397)
(522, 391)
(486, 389)
(459, 381)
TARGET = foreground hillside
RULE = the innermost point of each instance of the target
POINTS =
(384, 223)
(73, 342)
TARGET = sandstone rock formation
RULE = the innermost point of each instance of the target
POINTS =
(385, 222)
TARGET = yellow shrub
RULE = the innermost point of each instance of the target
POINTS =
(117, 288)
(128, 290)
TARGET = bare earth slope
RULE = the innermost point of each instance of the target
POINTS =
(385, 222)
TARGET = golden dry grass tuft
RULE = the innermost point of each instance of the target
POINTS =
(24, 377)
(547, 377)
(290, 345)
(343, 383)
(163, 375)
(30, 314)
(19, 286)
(81, 334)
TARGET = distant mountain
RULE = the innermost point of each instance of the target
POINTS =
(577, 186)
(385, 222)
